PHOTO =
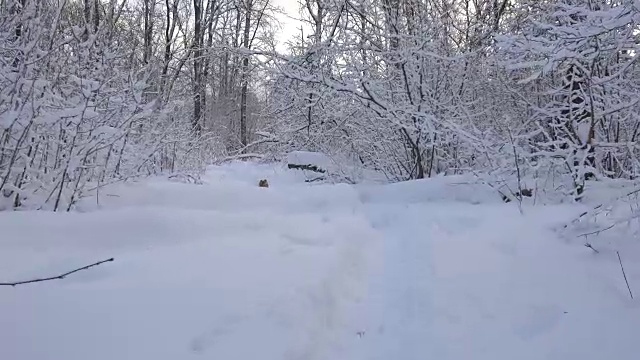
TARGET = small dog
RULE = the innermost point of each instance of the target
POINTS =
(263, 183)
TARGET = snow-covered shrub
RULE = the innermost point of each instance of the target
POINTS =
(74, 112)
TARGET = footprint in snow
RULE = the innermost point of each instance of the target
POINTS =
(207, 339)
(537, 320)
(307, 240)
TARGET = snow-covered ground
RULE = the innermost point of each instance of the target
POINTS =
(432, 269)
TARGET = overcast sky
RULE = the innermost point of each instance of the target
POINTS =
(289, 25)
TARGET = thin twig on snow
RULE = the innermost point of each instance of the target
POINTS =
(58, 277)
(624, 274)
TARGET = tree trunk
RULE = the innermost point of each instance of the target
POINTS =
(96, 15)
(87, 19)
(171, 21)
(244, 76)
(149, 6)
(197, 68)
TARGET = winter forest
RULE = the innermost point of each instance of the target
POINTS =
(95, 92)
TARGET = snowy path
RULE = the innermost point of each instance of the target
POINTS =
(461, 281)
(403, 312)
(227, 270)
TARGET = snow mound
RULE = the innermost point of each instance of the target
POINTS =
(437, 268)
(438, 189)
(320, 160)
(224, 269)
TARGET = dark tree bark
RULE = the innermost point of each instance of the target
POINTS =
(170, 25)
(197, 67)
(245, 73)
(149, 10)
(96, 15)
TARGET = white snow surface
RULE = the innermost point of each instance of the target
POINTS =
(428, 269)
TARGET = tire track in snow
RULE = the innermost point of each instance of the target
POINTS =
(331, 329)
(399, 311)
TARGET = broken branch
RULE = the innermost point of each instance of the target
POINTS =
(625, 275)
(58, 277)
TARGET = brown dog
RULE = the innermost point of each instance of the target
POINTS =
(263, 183)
